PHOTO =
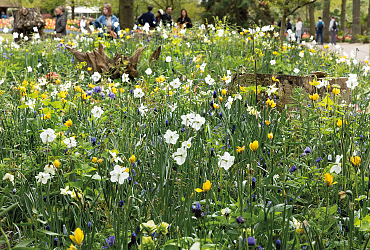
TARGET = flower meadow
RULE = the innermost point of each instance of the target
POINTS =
(183, 156)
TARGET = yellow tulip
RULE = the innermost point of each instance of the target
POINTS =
(100, 160)
(56, 163)
(254, 146)
(94, 159)
(339, 123)
(356, 160)
(270, 136)
(267, 122)
(329, 180)
(224, 91)
(132, 159)
(240, 149)
(78, 237)
(335, 91)
(72, 247)
(68, 123)
(314, 97)
(206, 187)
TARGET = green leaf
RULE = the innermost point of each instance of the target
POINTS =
(47, 232)
(3, 212)
(23, 245)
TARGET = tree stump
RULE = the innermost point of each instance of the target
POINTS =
(286, 84)
(25, 19)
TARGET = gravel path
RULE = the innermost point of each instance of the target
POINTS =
(360, 50)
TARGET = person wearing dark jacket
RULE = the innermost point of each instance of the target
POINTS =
(184, 19)
(166, 17)
(148, 17)
(61, 22)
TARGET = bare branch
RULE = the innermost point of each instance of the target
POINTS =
(300, 6)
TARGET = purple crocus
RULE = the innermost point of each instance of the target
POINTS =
(112, 95)
(240, 220)
(111, 241)
(251, 241)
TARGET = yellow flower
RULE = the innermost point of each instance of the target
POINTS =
(78, 237)
(121, 90)
(254, 146)
(339, 123)
(91, 85)
(240, 149)
(57, 81)
(335, 91)
(56, 163)
(314, 97)
(114, 90)
(220, 98)
(275, 80)
(224, 91)
(63, 94)
(94, 159)
(72, 247)
(356, 160)
(329, 180)
(206, 187)
(47, 116)
(44, 96)
(274, 53)
(271, 103)
(89, 68)
(326, 47)
(170, 93)
(68, 123)
(267, 122)
(270, 136)
(215, 106)
(100, 160)
(132, 159)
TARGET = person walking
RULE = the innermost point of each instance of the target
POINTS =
(333, 30)
(166, 17)
(148, 17)
(108, 22)
(3, 16)
(288, 25)
(299, 29)
(61, 22)
(184, 21)
(83, 23)
(319, 27)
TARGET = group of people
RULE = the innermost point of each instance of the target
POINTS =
(319, 27)
(164, 17)
(333, 28)
(107, 21)
(110, 23)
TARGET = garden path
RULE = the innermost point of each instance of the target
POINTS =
(360, 50)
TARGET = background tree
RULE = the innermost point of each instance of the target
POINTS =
(126, 14)
(312, 18)
(343, 15)
(356, 21)
(326, 18)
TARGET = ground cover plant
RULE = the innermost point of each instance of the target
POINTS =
(181, 157)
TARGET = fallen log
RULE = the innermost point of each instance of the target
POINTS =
(25, 19)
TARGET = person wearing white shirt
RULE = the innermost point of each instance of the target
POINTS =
(299, 29)
(333, 30)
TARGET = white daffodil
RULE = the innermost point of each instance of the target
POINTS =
(352, 81)
(118, 174)
(337, 167)
(70, 142)
(96, 76)
(175, 83)
(97, 112)
(187, 120)
(42, 177)
(180, 155)
(143, 110)
(272, 62)
(226, 161)
(49, 169)
(171, 136)
(272, 89)
(114, 156)
(229, 102)
(138, 93)
(186, 144)
(9, 177)
(197, 122)
(125, 77)
(48, 135)
(209, 80)
(148, 71)
(168, 59)
(65, 191)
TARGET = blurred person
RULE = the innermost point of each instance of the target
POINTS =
(61, 22)
(166, 17)
(148, 17)
(333, 30)
(3, 16)
(159, 16)
(299, 29)
(319, 27)
(91, 22)
(184, 19)
(108, 22)
(83, 23)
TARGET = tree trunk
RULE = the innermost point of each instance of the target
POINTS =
(343, 16)
(326, 19)
(312, 19)
(73, 9)
(356, 24)
(126, 14)
(27, 18)
(368, 24)
(282, 28)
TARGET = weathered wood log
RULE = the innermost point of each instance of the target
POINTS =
(25, 19)
(99, 61)
(286, 84)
